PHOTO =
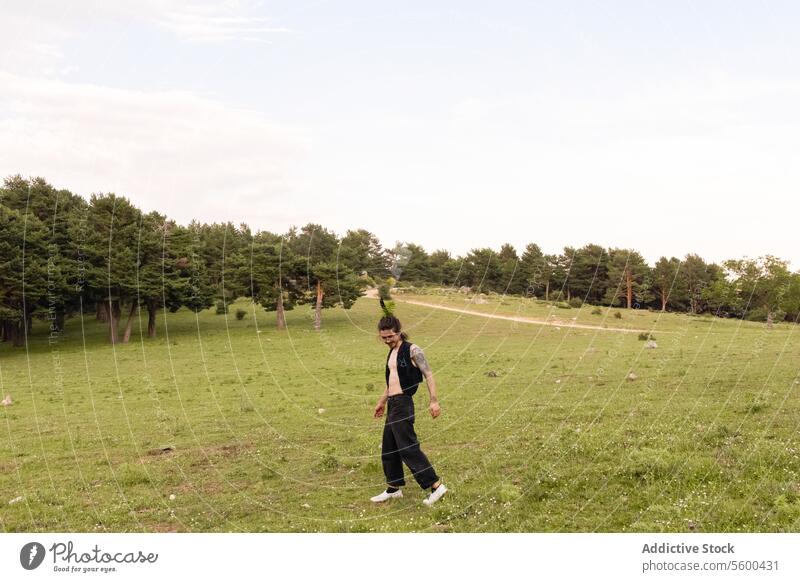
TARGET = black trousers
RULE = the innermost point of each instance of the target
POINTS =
(400, 445)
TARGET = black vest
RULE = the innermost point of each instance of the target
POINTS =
(410, 376)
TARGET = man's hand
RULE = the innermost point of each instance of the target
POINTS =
(379, 408)
(435, 409)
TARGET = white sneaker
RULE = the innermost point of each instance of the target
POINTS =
(385, 496)
(435, 496)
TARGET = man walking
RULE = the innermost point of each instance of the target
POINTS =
(405, 367)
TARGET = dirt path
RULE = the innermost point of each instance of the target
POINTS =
(373, 294)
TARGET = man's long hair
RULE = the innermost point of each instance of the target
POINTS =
(390, 322)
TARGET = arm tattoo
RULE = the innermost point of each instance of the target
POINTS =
(419, 359)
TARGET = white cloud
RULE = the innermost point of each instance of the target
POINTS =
(217, 23)
(707, 167)
(175, 152)
(33, 35)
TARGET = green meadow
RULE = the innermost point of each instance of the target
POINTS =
(222, 424)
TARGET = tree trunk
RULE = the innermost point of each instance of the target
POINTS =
(281, 319)
(629, 282)
(126, 336)
(770, 319)
(318, 308)
(14, 333)
(151, 319)
(111, 321)
(59, 321)
(101, 312)
(547, 291)
(2, 330)
(663, 300)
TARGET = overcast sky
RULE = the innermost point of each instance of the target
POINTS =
(668, 127)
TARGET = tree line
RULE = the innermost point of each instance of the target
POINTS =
(62, 255)
(762, 289)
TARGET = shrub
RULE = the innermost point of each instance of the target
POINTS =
(649, 466)
(222, 308)
(718, 435)
(508, 492)
(756, 406)
(644, 336)
(617, 315)
(268, 474)
(383, 292)
(597, 311)
(131, 475)
(760, 314)
(328, 463)
(240, 313)
(563, 305)
(576, 302)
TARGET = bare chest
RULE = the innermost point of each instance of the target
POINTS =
(394, 378)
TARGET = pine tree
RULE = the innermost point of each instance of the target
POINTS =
(325, 282)
(272, 275)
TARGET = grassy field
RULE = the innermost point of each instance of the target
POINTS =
(543, 427)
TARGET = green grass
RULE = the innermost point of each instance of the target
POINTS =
(226, 419)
